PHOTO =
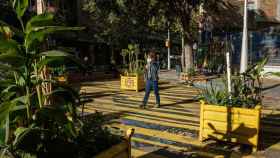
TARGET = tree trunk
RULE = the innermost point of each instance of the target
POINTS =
(188, 56)
(183, 55)
(112, 58)
(183, 61)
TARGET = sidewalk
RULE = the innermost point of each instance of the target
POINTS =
(271, 108)
(271, 86)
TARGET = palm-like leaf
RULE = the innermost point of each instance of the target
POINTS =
(9, 46)
(24, 59)
(38, 34)
(14, 29)
(39, 21)
(57, 55)
(20, 7)
(13, 59)
(5, 108)
(28, 138)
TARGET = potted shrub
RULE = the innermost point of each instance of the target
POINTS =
(132, 77)
(59, 74)
(188, 75)
(30, 126)
(234, 117)
(120, 150)
(99, 141)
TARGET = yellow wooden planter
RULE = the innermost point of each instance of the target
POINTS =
(238, 125)
(121, 150)
(184, 76)
(132, 82)
(62, 78)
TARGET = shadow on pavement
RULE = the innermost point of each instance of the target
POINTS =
(270, 87)
(270, 134)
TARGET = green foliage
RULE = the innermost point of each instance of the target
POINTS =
(94, 137)
(275, 74)
(120, 22)
(30, 127)
(214, 96)
(37, 129)
(20, 7)
(246, 89)
(191, 72)
(134, 65)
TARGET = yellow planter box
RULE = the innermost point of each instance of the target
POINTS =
(121, 150)
(238, 125)
(132, 82)
(184, 76)
(62, 79)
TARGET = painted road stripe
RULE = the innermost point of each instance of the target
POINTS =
(150, 112)
(150, 119)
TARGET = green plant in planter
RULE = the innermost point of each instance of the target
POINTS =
(27, 125)
(246, 89)
(133, 64)
(59, 71)
(191, 72)
(94, 138)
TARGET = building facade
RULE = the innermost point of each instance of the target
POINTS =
(263, 41)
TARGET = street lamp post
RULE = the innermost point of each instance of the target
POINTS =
(244, 50)
(168, 49)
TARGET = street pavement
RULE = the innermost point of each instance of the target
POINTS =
(172, 130)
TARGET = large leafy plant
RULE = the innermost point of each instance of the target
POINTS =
(27, 123)
(246, 89)
(133, 64)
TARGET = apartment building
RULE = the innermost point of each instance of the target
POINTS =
(264, 37)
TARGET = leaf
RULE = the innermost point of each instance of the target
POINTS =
(13, 59)
(5, 109)
(9, 88)
(27, 138)
(20, 99)
(20, 7)
(46, 61)
(9, 46)
(66, 92)
(14, 29)
(19, 131)
(56, 53)
(2, 136)
(38, 34)
(39, 20)
(51, 113)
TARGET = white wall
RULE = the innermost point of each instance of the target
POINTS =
(278, 10)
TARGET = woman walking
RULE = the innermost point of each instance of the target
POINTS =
(151, 77)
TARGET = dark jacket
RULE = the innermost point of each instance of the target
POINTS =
(152, 71)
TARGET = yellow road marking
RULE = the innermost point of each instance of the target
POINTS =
(148, 112)
(142, 154)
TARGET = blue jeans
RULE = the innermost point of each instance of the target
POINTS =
(149, 84)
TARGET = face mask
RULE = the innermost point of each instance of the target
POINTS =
(149, 60)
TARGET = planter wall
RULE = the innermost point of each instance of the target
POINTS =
(132, 82)
(121, 150)
(61, 79)
(237, 125)
(184, 76)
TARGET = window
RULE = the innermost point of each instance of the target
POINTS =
(252, 5)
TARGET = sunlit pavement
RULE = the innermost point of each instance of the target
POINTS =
(172, 130)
